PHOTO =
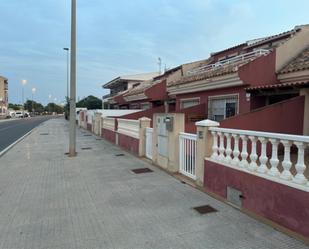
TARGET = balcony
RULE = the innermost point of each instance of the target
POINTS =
(240, 59)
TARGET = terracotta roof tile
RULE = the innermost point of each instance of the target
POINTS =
(282, 85)
(301, 62)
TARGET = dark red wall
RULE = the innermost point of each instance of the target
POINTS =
(261, 71)
(109, 135)
(284, 117)
(191, 112)
(286, 206)
(157, 92)
(128, 143)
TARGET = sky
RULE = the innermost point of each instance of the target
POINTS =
(122, 37)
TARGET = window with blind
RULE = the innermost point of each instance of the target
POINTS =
(145, 106)
(220, 108)
(186, 103)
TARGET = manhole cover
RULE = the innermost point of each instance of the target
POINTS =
(142, 170)
(205, 209)
(119, 155)
(44, 134)
(86, 148)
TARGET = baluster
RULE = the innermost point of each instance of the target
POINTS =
(253, 156)
(300, 165)
(221, 147)
(286, 164)
(236, 151)
(228, 150)
(214, 155)
(263, 158)
(274, 161)
(244, 154)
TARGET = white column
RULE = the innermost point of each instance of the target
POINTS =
(215, 146)
(263, 158)
(221, 147)
(274, 161)
(236, 151)
(253, 156)
(300, 165)
(228, 150)
(286, 164)
(244, 154)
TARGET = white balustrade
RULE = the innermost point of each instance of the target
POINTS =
(129, 127)
(109, 123)
(187, 154)
(262, 158)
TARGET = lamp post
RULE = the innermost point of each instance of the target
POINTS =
(72, 146)
(33, 92)
(23, 82)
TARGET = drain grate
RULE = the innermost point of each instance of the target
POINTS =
(142, 170)
(86, 148)
(44, 134)
(87, 135)
(98, 139)
(119, 155)
(205, 209)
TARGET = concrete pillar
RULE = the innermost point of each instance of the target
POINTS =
(143, 124)
(203, 147)
(305, 92)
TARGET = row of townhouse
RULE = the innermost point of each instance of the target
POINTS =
(253, 77)
(3, 97)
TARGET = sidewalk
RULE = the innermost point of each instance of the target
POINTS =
(48, 200)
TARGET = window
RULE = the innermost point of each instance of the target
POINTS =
(186, 103)
(222, 107)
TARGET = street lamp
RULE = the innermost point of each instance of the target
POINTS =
(23, 82)
(72, 136)
(33, 92)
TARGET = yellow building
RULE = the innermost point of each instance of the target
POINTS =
(3, 96)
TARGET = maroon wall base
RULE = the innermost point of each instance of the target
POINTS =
(109, 135)
(128, 143)
(286, 206)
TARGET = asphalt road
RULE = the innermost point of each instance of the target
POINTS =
(12, 130)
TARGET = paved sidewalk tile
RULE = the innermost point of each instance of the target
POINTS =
(49, 201)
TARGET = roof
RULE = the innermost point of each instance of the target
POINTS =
(282, 85)
(141, 88)
(301, 62)
(2, 77)
(209, 74)
(132, 77)
(230, 48)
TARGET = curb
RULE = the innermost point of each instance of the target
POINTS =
(19, 140)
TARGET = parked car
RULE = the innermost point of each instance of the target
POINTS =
(19, 114)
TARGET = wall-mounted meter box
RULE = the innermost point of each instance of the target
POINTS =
(169, 122)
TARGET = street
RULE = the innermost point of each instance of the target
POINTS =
(12, 130)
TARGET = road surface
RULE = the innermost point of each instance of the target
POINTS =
(12, 130)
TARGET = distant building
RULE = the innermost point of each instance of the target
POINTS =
(3, 97)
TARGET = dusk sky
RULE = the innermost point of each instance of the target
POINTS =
(125, 37)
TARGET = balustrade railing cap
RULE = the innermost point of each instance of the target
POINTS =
(144, 119)
(207, 122)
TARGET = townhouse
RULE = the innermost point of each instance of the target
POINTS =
(3, 96)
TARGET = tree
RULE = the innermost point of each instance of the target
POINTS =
(52, 107)
(90, 102)
(37, 107)
(15, 107)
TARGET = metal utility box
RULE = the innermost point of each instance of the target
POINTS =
(234, 196)
(169, 122)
